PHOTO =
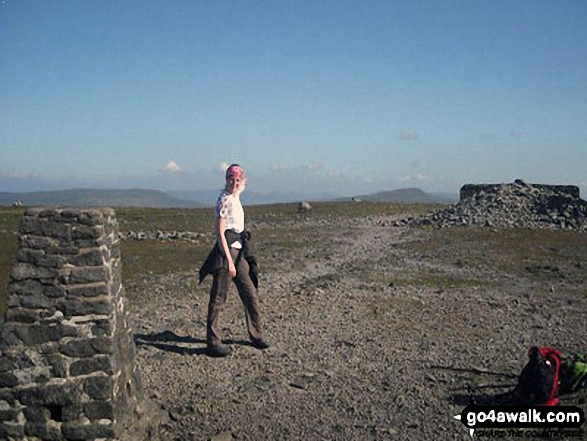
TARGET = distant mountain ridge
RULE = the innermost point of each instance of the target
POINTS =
(404, 195)
(250, 197)
(89, 197)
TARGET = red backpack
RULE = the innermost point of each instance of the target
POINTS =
(539, 380)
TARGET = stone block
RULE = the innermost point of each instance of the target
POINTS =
(58, 365)
(72, 412)
(88, 290)
(23, 271)
(49, 348)
(91, 243)
(87, 306)
(77, 348)
(36, 301)
(6, 364)
(31, 335)
(89, 257)
(99, 410)
(103, 328)
(37, 414)
(40, 258)
(86, 366)
(9, 414)
(70, 215)
(62, 248)
(37, 242)
(48, 212)
(91, 217)
(88, 274)
(54, 291)
(8, 379)
(102, 345)
(44, 227)
(7, 396)
(60, 394)
(46, 431)
(9, 430)
(99, 387)
(74, 431)
(81, 232)
(22, 315)
(9, 336)
(32, 225)
(12, 300)
(29, 255)
(25, 287)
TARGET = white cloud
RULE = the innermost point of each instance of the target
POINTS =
(414, 178)
(313, 167)
(333, 173)
(407, 135)
(222, 167)
(172, 167)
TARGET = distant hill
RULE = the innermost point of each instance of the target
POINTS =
(404, 195)
(88, 197)
(249, 197)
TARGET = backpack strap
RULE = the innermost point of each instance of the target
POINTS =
(554, 354)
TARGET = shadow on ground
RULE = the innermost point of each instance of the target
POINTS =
(169, 341)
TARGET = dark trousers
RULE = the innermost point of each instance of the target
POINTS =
(247, 293)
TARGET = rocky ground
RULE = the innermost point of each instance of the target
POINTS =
(377, 331)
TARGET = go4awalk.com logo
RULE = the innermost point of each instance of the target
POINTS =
(512, 421)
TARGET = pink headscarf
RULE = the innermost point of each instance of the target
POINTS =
(235, 171)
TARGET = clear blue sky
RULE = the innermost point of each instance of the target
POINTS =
(338, 96)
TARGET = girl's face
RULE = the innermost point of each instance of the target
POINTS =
(236, 185)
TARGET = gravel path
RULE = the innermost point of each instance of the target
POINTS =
(353, 355)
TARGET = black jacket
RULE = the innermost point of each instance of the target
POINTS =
(216, 260)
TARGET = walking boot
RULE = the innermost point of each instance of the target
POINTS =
(259, 343)
(220, 350)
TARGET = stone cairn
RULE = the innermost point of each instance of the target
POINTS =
(66, 350)
(515, 205)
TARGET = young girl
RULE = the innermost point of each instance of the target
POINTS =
(230, 259)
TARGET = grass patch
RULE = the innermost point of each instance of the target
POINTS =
(197, 220)
(535, 254)
(160, 257)
(437, 281)
(326, 210)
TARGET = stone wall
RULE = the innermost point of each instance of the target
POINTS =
(513, 205)
(470, 191)
(67, 354)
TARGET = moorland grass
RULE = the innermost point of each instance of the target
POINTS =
(536, 254)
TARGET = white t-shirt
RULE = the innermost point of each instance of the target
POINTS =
(229, 207)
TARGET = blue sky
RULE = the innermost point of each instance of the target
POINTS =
(337, 96)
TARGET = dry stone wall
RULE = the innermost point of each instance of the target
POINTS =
(67, 354)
